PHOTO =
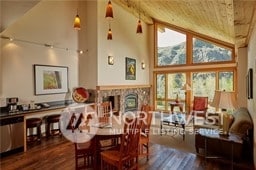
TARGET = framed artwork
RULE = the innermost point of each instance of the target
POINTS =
(50, 79)
(249, 82)
(130, 69)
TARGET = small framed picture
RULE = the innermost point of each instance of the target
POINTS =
(130, 69)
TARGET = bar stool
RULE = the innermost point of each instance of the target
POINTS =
(34, 123)
(50, 120)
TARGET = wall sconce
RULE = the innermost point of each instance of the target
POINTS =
(110, 60)
(143, 65)
(77, 24)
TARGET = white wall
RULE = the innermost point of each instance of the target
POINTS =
(252, 64)
(125, 43)
(51, 22)
(88, 42)
(48, 22)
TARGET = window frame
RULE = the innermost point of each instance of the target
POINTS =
(189, 46)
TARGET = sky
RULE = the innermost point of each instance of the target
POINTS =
(170, 38)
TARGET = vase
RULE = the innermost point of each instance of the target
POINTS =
(177, 98)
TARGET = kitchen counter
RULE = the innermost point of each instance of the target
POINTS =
(23, 115)
(35, 111)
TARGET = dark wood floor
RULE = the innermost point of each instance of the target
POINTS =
(58, 153)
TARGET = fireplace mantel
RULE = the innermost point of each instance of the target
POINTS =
(112, 87)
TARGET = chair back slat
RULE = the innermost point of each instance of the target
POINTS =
(145, 118)
(130, 137)
(104, 109)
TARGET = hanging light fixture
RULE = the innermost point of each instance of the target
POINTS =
(109, 33)
(109, 10)
(77, 24)
(139, 27)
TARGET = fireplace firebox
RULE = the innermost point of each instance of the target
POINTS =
(131, 102)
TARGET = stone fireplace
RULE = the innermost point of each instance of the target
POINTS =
(123, 98)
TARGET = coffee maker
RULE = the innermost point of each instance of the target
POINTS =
(12, 104)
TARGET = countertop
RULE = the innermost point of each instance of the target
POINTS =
(28, 112)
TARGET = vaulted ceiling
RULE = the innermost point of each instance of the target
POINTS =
(230, 21)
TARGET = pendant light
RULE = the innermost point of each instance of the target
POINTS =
(77, 24)
(139, 27)
(109, 33)
(109, 10)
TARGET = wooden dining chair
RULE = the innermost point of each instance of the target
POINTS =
(85, 155)
(126, 157)
(104, 112)
(104, 109)
(145, 119)
(146, 108)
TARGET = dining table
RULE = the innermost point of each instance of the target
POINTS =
(106, 131)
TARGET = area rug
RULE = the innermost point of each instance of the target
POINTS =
(172, 136)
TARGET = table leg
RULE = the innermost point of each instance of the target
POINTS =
(161, 126)
(183, 127)
(232, 156)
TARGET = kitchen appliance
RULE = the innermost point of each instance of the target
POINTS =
(12, 104)
(11, 135)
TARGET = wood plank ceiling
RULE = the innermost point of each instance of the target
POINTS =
(230, 21)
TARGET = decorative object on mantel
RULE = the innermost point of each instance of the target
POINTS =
(110, 60)
(109, 11)
(80, 95)
(50, 79)
(77, 24)
(130, 69)
(225, 100)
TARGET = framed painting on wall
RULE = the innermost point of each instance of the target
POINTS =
(249, 82)
(50, 79)
(130, 69)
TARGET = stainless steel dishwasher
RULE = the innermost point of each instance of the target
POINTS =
(12, 135)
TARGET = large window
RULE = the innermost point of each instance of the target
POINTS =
(203, 84)
(226, 80)
(168, 86)
(182, 57)
(171, 47)
(175, 82)
(160, 86)
(205, 52)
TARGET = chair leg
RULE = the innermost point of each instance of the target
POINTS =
(147, 151)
